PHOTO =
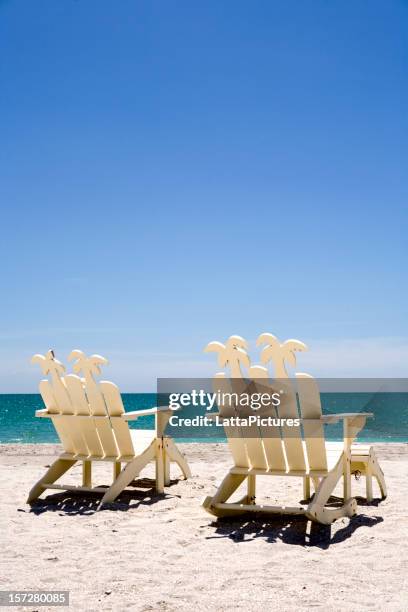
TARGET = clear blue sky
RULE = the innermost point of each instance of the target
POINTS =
(175, 172)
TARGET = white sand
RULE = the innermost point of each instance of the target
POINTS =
(167, 553)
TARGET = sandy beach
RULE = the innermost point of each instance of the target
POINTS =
(166, 553)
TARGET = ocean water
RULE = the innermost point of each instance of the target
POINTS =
(18, 423)
(390, 423)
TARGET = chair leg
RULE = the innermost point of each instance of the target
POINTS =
(87, 473)
(378, 473)
(369, 484)
(346, 478)
(306, 487)
(230, 484)
(57, 469)
(159, 466)
(317, 510)
(175, 455)
(117, 468)
(251, 490)
(166, 467)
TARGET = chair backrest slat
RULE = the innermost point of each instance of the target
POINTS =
(74, 425)
(62, 428)
(48, 396)
(237, 447)
(76, 404)
(270, 435)
(280, 354)
(255, 448)
(291, 435)
(250, 433)
(61, 395)
(89, 431)
(115, 408)
(95, 398)
(106, 436)
(87, 426)
(310, 407)
(236, 442)
(122, 436)
(76, 390)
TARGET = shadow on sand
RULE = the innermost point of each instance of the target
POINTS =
(72, 503)
(295, 530)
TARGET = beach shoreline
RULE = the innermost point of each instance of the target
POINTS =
(150, 552)
(50, 448)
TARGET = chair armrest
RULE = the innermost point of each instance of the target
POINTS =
(353, 423)
(335, 418)
(135, 414)
(43, 413)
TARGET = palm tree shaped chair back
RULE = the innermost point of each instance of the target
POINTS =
(260, 447)
(289, 454)
(231, 355)
(86, 414)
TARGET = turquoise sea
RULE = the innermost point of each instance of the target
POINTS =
(390, 423)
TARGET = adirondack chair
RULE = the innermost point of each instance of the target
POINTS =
(281, 451)
(92, 425)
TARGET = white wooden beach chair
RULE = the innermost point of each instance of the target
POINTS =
(92, 425)
(283, 451)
